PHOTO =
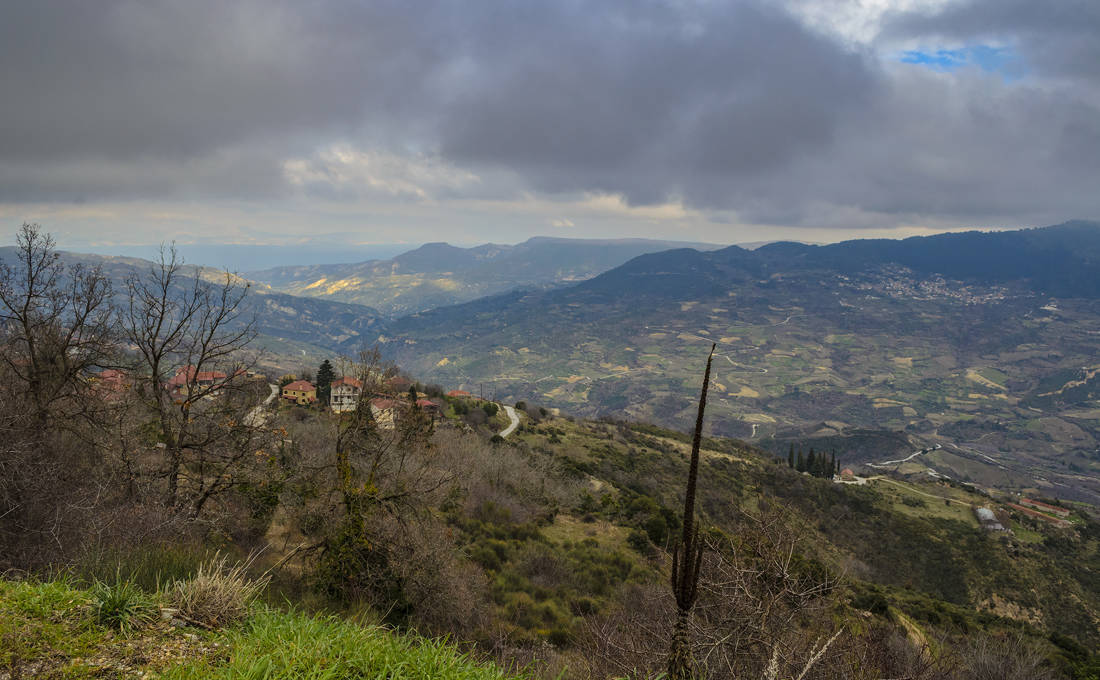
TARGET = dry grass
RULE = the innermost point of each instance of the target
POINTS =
(218, 594)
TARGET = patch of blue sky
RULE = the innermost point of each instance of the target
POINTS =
(989, 58)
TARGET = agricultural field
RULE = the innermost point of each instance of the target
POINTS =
(1005, 385)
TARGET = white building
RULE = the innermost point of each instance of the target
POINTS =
(344, 394)
(988, 520)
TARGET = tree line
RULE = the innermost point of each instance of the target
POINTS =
(817, 464)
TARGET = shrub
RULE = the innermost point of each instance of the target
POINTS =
(122, 606)
(218, 594)
(639, 541)
(875, 603)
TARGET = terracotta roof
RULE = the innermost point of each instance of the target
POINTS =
(186, 374)
(300, 386)
(426, 403)
(382, 403)
(354, 382)
(458, 393)
(113, 381)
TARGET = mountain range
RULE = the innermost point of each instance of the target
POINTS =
(288, 326)
(981, 342)
(439, 274)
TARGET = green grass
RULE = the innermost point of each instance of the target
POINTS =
(992, 375)
(44, 620)
(294, 645)
(907, 500)
(149, 567)
(54, 629)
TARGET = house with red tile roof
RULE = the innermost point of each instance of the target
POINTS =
(301, 392)
(189, 379)
(428, 406)
(384, 412)
(458, 393)
(190, 374)
(112, 383)
(398, 383)
(344, 394)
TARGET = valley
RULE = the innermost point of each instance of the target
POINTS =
(868, 361)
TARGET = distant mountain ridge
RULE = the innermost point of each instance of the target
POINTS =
(439, 274)
(1062, 260)
(279, 317)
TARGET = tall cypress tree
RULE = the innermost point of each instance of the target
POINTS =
(800, 464)
(790, 457)
(325, 375)
(811, 462)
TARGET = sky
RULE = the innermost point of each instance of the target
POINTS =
(345, 123)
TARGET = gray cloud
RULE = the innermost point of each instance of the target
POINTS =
(1059, 37)
(646, 101)
(725, 105)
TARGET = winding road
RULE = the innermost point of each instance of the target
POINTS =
(511, 411)
(256, 416)
(888, 463)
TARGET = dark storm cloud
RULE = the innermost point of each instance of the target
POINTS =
(132, 78)
(641, 99)
(726, 105)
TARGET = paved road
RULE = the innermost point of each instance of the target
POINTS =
(513, 425)
(887, 463)
(256, 416)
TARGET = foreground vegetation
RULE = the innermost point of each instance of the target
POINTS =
(55, 629)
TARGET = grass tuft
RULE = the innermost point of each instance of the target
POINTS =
(122, 605)
(218, 594)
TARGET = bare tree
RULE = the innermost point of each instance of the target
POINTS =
(54, 332)
(373, 473)
(55, 323)
(190, 334)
